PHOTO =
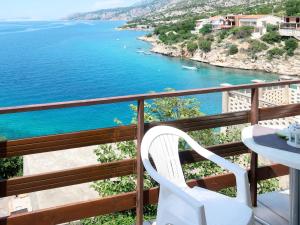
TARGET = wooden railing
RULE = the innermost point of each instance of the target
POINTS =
(141, 197)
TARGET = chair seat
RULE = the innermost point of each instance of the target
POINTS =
(219, 209)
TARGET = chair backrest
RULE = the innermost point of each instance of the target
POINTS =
(163, 149)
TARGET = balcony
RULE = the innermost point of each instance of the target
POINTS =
(140, 197)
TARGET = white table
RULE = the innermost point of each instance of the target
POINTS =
(286, 158)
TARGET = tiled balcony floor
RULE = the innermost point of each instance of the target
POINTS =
(273, 209)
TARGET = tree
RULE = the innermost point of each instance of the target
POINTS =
(291, 45)
(292, 7)
(206, 29)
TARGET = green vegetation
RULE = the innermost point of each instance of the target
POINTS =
(206, 29)
(274, 52)
(10, 167)
(192, 47)
(175, 33)
(233, 49)
(291, 45)
(292, 7)
(223, 34)
(257, 46)
(205, 45)
(272, 28)
(242, 32)
(271, 37)
(163, 110)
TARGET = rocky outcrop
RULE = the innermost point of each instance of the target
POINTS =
(219, 57)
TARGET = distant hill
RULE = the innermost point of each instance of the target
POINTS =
(159, 9)
(124, 13)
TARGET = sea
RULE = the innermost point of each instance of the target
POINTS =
(54, 61)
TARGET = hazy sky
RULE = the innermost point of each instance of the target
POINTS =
(54, 9)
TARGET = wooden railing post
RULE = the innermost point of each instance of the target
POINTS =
(140, 168)
(254, 117)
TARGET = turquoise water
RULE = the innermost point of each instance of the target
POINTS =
(44, 62)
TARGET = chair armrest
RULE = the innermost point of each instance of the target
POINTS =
(169, 185)
(243, 192)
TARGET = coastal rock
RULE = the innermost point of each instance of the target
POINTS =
(218, 56)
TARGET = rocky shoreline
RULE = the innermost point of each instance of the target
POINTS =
(218, 57)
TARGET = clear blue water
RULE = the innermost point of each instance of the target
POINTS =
(44, 62)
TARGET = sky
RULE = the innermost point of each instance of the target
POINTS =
(54, 9)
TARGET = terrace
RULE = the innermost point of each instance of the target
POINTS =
(139, 198)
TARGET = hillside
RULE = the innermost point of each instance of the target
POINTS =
(124, 13)
(161, 9)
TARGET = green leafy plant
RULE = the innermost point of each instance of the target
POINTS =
(292, 7)
(233, 49)
(205, 45)
(275, 52)
(272, 28)
(242, 32)
(10, 167)
(271, 37)
(192, 46)
(291, 45)
(257, 46)
(206, 29)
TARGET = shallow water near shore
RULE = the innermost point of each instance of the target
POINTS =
(43, 62)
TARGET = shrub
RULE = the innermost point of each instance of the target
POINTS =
(290, 46)
(271, 37)
(272, 28)
(206, 29)
(292, 7)
(192, 46)
(223, 34)
(242, 32)
(10, 167)
(275, 52)
(205, 45)
(257, 46)
(233, 49)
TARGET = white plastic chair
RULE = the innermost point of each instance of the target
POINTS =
(181, 205)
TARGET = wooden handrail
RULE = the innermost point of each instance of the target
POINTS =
(98, 101)
(50, 180)
(126, 201)
(135, 199)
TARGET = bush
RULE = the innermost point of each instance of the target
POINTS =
(205, 45)
(275, 52)
(271, 37)
(11, 167)
(192, 46)
(272, 28)
(242, 32)
(175, 33)
(233, 49)
(257, 46)
(223, 34)
(290, 46)
(292, 7)
(206, 29)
